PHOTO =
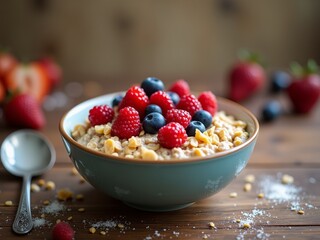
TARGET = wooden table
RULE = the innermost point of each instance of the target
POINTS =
(290, 145)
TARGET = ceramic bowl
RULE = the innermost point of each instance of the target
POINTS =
(158, 185)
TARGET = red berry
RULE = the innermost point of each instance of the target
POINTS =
(163, 100)
(208, 102)
(62, 231)
(178, 115)
(100, 115)
(172, 135)
(189, 103)
(181, 87)
(24, 111)
(135, 97)
(127, 123)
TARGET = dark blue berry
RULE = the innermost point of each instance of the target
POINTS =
(153, 108)
(271, 110)
(193, 125)
(153, 122)
(174, 97)
(151, 85)
(203, 116)
(280, 80)
(117, 99)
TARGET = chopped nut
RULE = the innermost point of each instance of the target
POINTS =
(202, 136)
(50, 185)
(92, 230)
(287, 179)
(238, 220)
(99, 129)
(250, 178)
(198, 152)
(81, 209)
(69, 218)
(103, 233)
(212, 225)
(301, 212)
(247, 187)
(46, 202)
(233, 195)
(246, 225)
(109, 146)
(35, 188)
(8, 203)
(64, 194)
(41, 182)
(205, 236)
(149, 154)
(134, 142)
(260, 195)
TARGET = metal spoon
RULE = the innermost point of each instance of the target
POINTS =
(26, 153)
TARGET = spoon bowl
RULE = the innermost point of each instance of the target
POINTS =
(26, 153)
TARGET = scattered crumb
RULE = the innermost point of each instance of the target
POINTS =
(233, 195)
(287, 179)
(35, 188)
(64, 194)
(41, 182)
(260, 195)
(250, 178)
(8, 203)
(212, 225)
(81, 209)
(247, 187)
(301, 212)
(50, 185)
(92, 230)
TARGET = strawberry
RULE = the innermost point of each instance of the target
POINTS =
(30, 79)
(52, 70)
(126, 124)
(23, 110)
(181, 87)
(163, 100)
(135, 97)
(208, 102)
(189, 103)
(2, 92)
(172, 135)
(102, 114)
(178, 115)
(304, 90)
(245, 78)
(7, 62)
(62, 231)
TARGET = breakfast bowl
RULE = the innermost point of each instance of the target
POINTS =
(157, 185)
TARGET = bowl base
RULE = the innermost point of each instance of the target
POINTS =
(158, 208)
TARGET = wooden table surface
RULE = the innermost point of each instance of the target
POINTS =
(290, 145)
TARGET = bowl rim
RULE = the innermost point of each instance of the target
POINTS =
(254, 135)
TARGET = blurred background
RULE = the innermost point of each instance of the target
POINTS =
(124, 41)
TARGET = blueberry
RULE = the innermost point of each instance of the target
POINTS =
(151, 85)
(280, 80)
(203, 116)
(193, 125)
(153, 122)
(271, 110)
(174, 97)
(117, 99)
(153, 108)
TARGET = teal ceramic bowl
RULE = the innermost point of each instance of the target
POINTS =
(157, 185)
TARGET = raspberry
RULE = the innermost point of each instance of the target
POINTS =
(163, 100)
(62, 231)
(181, 87)
(100, 115)
(180, 116)
(189, 103)
(208, 102)
(172, 135)
(127, 123)
(135, 97)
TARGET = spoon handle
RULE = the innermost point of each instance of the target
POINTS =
(23, 221)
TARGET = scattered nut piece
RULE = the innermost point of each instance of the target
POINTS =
(50, 185)
(81, 210)
(8, 203)
(238, 220)
(250, 178)
(35, 188)
(92, 230)
(42, 215)
(58, 221)
(120, 225)
(287, 179)
(64, 194)
(233, 195)
(74, 171)
(103, 233)
(46, 202)
(212, 225)
(301, 212)
(41, 182)
(79, 197)
(205, 236)
(246, 225)
(247, 187)
(260, 195)
(69, 218)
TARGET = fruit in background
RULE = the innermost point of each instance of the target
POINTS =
(24, 111)
(116, 101)
(2, 92)
(271, 110)
(181, 87)
(304, 90)
(208, 102)
(62, 231)
(245, 77)
(151, 85)
(280, 80)
(7, 62)
(28, 78)
(52, 70)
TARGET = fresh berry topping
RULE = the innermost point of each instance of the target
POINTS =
(193, 125)
(135, 97)
(100, 115)
(271, 110)
(174, 97)
(153, 122)
(172, 135)
(126, 124)
(62, 231)
(178, 115)
(280, 81)
(208, 102)
(181, 87)
(189, 103)
(24, 111)
(151, 85)
(116, 101)
(153, 108)
(163, 100)
(203, 116)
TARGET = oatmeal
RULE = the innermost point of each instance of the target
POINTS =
(224, 133)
